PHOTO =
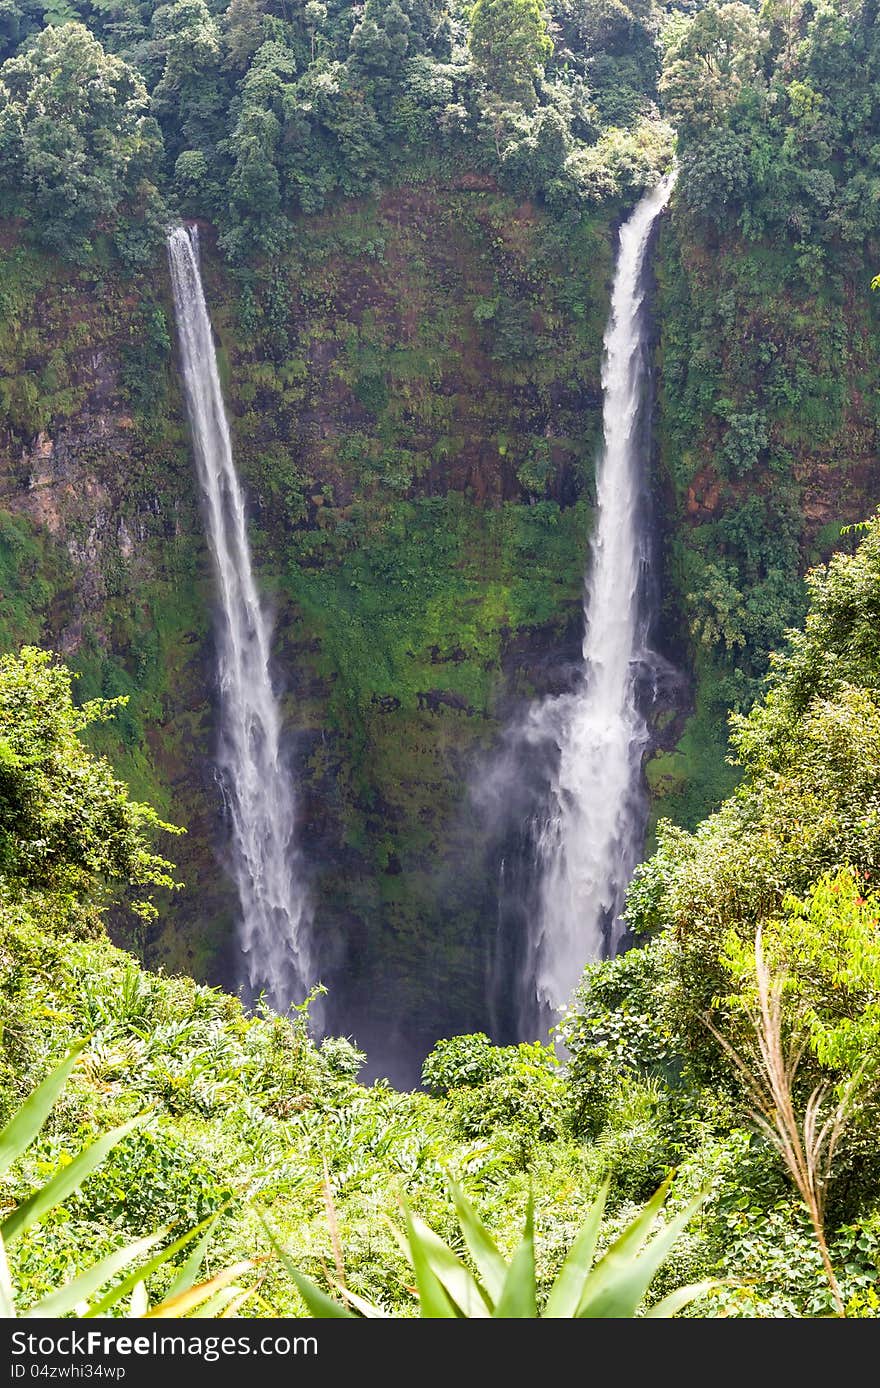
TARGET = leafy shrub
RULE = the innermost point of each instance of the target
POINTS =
(66, 823)
(461, 1061)
(635, 1146)
(341, 1057)
(88, 1289)
(521, 1109)
(156, 1179)
(614, 1014)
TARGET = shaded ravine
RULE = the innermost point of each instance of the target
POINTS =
(592, 837)
(256, 782)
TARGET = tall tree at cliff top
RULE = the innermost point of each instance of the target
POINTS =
(75, 136)
(510, 45)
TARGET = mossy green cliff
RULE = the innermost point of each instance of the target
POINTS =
(415, 398)
(766, 448)
(414, 390)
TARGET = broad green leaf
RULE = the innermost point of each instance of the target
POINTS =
(68, 1297)
(620, 1280)
(677, 1300)
(625, 1247)
(116, 1294)
(21, 1130)
(321, 1306)
(190, 1270)
(458, 1283)
(66, 1181)
(518, 1295)
(434, 1304)
(481, 1246)
(7, 1298)
(567, 1290)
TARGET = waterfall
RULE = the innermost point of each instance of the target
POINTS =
(591, 840)
(256, 783)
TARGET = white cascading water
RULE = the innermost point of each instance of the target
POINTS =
(255, 780)
(590, 843)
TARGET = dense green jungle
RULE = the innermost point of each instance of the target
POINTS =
(408, 214)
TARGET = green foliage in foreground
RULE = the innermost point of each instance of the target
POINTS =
(612, 1288)
(446, 1287)
(87, 1293)
(249, 1113)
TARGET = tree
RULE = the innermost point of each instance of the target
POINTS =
(808, 803)
(783, 20)
(510, 46)
(192, 96)
(190, 40)
(75, 135)
(254, 185)
(244, 30)
(381, 42)
(67, 827)
(712, 65)
(16, 22)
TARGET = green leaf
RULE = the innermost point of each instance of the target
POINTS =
(434, 1304)
(567, 1290)
(620, 1280)
(62, 1301)
(481, 1246)
(190, 1270)
(218, 1303)
(455, 1279)
(65, 1181)
(321, 1306)
(360, 1303)
(116, 1294)
(625, 1248)
(21, 1130)
(518, 1295)
(7, 1298)
(175, 1307)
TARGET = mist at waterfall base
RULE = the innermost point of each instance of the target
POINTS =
(566, 791)
(254, 775)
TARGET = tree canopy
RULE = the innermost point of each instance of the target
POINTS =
(76, 138)
(510, 45)
(251, 113)
(67, 827)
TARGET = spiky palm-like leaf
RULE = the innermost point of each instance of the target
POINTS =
(614, 1287)
(90, 1292)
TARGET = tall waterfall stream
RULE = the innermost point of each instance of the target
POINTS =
(256, 782)
(591, 840)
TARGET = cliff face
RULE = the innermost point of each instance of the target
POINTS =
(101, 523)
(415, 401)
(767, 445)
